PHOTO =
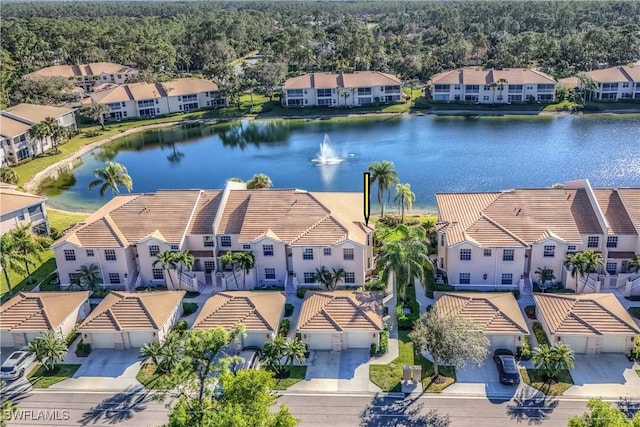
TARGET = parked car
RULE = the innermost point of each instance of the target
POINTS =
(250, 357)
(15, 365)
(507, 366)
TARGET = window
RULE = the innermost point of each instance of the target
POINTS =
(307, 254)
(154, 250)
(611, 267)
(327, 251)
(441, 88)
(114, 278)
(90, 252)
(441, 262)
(208, 241)
(465, 278)
(549, 250)
(507, 279)
(612, 241)
(465, 254)
(267, 250)
(593, 242)
(309, 278)
(348, 254)
(571, 248)
(246, 247)
(294, 92)
(225, 241)
(270, 273)
(364, 91)
(507, 255)
(109, 254)
(209, 266)
(349, 277)
(487, 252)
(74, 278)
(69, 255)
(442, 240)
(324, 92)
(158, 274)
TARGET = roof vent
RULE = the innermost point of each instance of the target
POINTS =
(518, 213)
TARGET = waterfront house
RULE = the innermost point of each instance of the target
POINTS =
(481, 86)
(19, 208)
(124, 320)
(88, 75)
(341, 90)
(25, 316)
(15, 122)
(154, 99)
(498, 240)
(291, 233)
(615, 83)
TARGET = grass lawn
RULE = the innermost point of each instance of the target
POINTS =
(149, 378)
(388, 377)
(43, 379)
(45, 268)
(534, 379)
(638, 372)
(298, 373)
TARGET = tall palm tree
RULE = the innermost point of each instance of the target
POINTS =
(501, 83)
(111, 177)
(322, 276)
(575, 263)
(89, 276)
(48, 349)
(593, 262)
(634, 263)
(185, 260)
(230, 259)
(336, 276)
(38, 133)
(385, 174)
(393, 259)
(29, 244)
(404, 198)
(11, 259)
(294, 351)
(246, 261)
(587, 86)
(259, 181)
(167, 261)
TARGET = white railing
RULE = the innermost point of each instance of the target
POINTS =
(632, 287)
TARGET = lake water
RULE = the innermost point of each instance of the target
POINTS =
(433, 154)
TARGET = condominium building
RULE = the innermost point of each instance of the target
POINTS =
(87, 76)
(493, 86)
(18, 208)
(341, 90)
(615, 83)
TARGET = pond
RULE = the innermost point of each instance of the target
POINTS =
(432, 153)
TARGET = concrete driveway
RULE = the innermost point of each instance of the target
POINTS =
(18, 385)
(337, 371)
(106, 369)
(604, 375)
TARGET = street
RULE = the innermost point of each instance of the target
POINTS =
(142, 409)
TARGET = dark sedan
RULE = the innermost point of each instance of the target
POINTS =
(507, 367)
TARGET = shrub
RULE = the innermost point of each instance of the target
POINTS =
(541, 336)
(406, 320)
(100, 293)
(524, 352)
(180, 327)
(192, 294)
(284, 327)
(189, 308)
(72, 335)
(375, 286)
(373, 349)
(288, 309)
(84, 348)
(635, 351)
(384, 339)
(530, 311)
(300, 292)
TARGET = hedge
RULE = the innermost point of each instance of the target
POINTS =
(541, 336)
(284, 327)
(189, 308)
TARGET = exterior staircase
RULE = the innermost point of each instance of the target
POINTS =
(289, 288)
(527, 289)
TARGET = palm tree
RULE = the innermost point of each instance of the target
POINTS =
(29, 244)
(634, 263)
(97, 111)
(322, 276)
(393, 259)
(335, 277)
(111, 177)
(279, 354)
(593, 262)
(575, 264)
(493, 86)
(48, 349)
(259, 181)
(385, 174)
(294, 351)
(11, 259)
(544, 274)
(186, 260)
(543, 360)
(153, 351)
(167, 261)
(404, 198)
(89, 276)
(564, 356)
(551, 360)
(37, 133)
(52, 130)
(246, 261)
(230, 259)
(501, 83)
(587, 85)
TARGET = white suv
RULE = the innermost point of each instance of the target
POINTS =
(15, 365)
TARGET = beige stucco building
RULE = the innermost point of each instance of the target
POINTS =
(19, 208)
(88, 75)
(615, 83)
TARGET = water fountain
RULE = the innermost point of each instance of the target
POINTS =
(326, 156)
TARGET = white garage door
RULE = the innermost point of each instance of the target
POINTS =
(318, 341)
(578, 344)
(613, 344)
(6, 339)
(103, 340)
(30, 336)
(502, 341)
(254, 339)
(140, 338)
(360, 339)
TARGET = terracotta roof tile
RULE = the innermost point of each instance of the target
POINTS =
(614, 211)
(38, 311)
(188, 86)
(631, 200)
(11, 200)
(36, 113)
(478, 76)
(340, 311)
(91, 69)
(11, 127)
(331, 80)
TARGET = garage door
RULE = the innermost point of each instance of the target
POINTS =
(502, 341)
(254, 339)
(613, 344)
(318, 341)
(105, 340)
(6, 338)
(30, 336)
(140, 338)
(578, 344)
(360, 339)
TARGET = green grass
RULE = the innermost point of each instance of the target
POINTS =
(533, 377)
(405, 321)
(638, 372)
(297, 374)
(388, 377)
(634, 312)
(153, 380)
(541, 336)
(40, 378)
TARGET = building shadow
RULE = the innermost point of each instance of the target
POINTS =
(117, 408)
(388, 412)
(531, 406)
(628, 406)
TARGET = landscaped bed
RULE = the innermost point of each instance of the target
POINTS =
(40, 378)
(296, 374)
(151, 379)
(533, 377)
(541, 336)
(388, 376)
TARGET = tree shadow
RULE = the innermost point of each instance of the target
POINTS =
(117, 408)
(14, 392)
(628, 407)
(388, 412)
(531, 406)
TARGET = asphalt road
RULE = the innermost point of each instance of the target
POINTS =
(140, 409)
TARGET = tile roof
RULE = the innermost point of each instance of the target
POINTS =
(585, 314)
(614, 211)
(11, 200)
(187, 86)
(570, 82)
(121, 311)
(520, 216)
(631, 199)
(494, 312)
(144, 90)
(90, 69)
(202, 222)
(615, 74)
(38, 311)
(256, 310)
(11, 127)
(107, 96)
(480, 76)
(332, 81)
(341, 311)
(36, 113)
